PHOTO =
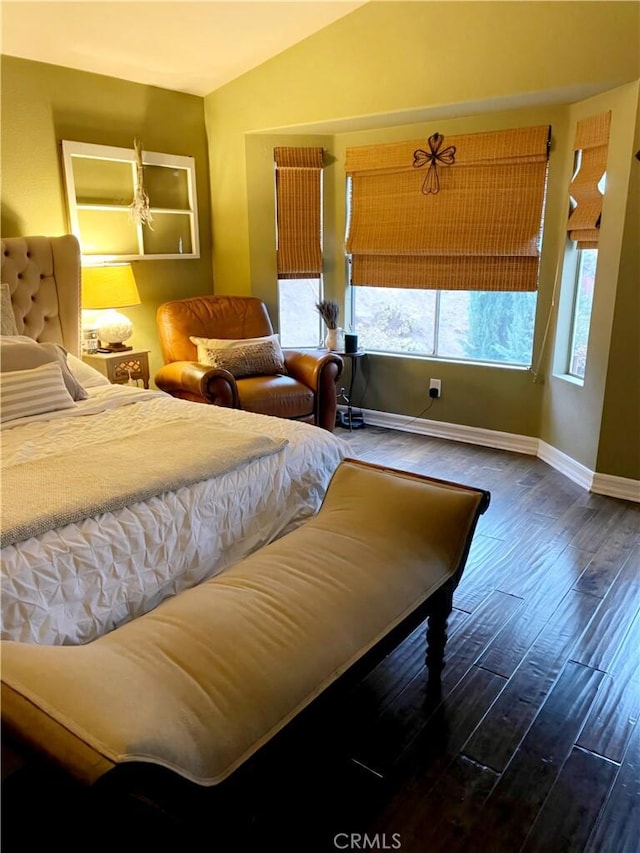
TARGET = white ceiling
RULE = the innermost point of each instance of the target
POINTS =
(188, 46)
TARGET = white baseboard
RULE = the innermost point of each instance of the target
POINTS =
(454, 432)
(568, 466)
(616, 487)
(601, 484)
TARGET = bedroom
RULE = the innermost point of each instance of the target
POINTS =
(525, 74)
(537, 82)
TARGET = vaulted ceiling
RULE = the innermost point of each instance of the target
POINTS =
(193, 47)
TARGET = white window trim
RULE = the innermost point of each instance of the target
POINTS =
(72, 149)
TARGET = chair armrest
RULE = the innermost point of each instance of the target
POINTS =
(319, 371)
(191, 380)
(308, 366)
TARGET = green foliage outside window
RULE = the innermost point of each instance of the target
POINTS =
(500, 326)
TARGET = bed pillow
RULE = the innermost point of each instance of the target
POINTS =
(7, 317)
(242, 357)
(22, 353)
(86, 375)
(33, 392)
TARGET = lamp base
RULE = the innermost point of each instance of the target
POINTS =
(113, 329)
(113, 348)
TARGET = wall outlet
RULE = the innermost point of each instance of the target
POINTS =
(435, 388)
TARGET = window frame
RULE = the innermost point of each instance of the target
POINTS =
(290, 277)
(87, 151)
(352, 298)
(435, 355)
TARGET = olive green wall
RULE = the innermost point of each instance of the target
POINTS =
(403, 70)
(572, 411)
(43, 104)
(619, 449)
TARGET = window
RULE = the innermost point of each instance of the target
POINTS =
(581, 314)
(477, 325)
(587, 190)
(445, 260)
(298, 182)
(300, 324)
(101, 182)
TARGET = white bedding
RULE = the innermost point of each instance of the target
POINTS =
(70, 585)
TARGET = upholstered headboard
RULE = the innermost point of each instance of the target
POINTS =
(43, 274)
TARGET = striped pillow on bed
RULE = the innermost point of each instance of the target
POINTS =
(33, 392)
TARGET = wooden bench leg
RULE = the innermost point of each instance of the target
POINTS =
(440, 606)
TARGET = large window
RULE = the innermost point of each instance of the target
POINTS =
(486, 326)
(444, 240)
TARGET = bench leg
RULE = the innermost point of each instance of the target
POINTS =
(439, 608)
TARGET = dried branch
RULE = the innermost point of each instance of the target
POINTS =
(329, 310)
(139, 208)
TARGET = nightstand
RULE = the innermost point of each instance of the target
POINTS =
(120, 367)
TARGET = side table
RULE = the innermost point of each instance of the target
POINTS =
(121, 367)
(350, 419)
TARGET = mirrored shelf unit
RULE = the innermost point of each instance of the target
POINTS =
(101, 182)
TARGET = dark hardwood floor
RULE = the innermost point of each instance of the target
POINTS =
(533, 745)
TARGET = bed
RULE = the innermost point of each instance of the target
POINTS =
(127, 497)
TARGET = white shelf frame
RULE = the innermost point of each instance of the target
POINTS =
(71, 150)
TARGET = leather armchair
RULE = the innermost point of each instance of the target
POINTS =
(307, 392)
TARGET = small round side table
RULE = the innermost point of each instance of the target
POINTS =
(348, 418)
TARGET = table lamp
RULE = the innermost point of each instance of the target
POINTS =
(105, 288)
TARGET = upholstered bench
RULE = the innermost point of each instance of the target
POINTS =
(200, 683)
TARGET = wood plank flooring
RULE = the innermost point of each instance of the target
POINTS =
(534, 745)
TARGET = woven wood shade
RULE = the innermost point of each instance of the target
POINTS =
(298, 183)
(480, 232)
(592, 140)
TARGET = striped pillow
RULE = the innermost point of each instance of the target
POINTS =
(33, 392)
(23, 353)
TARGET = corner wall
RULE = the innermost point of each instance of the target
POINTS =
(619, 448)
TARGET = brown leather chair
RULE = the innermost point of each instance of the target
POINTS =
(306, 393)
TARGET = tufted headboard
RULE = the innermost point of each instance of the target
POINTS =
(43, 274)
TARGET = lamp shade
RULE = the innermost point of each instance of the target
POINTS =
(111, 286)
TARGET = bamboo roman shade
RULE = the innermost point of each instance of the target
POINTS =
(298, 200)
(479, 231)
(592, 140)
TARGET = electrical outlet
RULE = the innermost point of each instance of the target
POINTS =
(435, 388)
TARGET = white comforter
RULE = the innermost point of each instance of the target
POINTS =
(70, 585)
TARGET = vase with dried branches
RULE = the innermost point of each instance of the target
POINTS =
(329, 310)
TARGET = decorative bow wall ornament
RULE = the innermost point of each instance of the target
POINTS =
(433, 156)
